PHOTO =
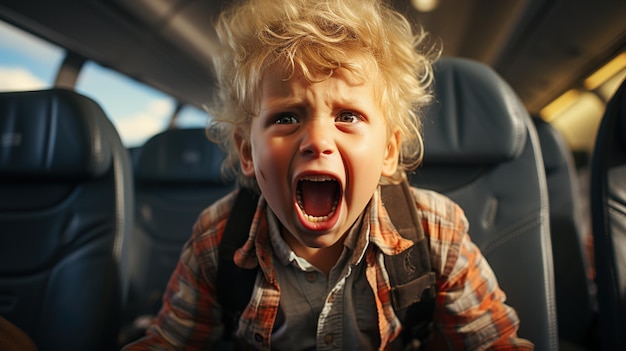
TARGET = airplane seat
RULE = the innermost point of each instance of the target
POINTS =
(608, 217)
(65, 203)
(177, 175)
(575, 301)
(481, 150)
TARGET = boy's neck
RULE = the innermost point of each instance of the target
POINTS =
(323, 259)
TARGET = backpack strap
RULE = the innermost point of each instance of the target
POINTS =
(235, 284)
(410, 272)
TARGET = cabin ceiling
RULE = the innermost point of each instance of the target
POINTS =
(540, 47)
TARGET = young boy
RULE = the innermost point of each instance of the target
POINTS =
(318, 109)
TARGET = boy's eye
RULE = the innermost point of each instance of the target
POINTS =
(285, 119)
(348, 117)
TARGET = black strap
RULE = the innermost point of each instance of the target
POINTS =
(235, 284)
(410, 273)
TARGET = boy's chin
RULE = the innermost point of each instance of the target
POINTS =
(318, 234)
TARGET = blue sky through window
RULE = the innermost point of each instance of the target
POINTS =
(26, 62)
(137, 111)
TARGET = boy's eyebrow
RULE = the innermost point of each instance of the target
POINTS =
(282, 103)
(288, 103)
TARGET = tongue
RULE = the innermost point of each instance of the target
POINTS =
(318, 197)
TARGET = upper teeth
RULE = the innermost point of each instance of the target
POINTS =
(320, 178)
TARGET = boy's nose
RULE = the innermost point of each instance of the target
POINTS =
(317, 139)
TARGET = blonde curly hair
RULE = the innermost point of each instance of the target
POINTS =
(316, 37)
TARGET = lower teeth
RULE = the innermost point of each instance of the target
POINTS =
(315, 219)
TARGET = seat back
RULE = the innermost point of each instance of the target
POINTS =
(574, 299)
(65, 194)
(178, 174)
(608, 217)
(481, 150)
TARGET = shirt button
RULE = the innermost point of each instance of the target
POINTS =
(328, 339)
(310, 276)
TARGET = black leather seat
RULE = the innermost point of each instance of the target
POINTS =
(481, 149)
(575, 300)
(65, 201)
(608, 215)
(178, 174)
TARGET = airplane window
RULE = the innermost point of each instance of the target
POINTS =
(137, 110)
(191, 117)
(26, 62)
(579, 122)
(608, 89)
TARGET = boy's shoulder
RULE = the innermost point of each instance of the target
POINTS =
(440, 215)
(432, 201)
(212, 220)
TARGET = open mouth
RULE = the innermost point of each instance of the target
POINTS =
(317, 197)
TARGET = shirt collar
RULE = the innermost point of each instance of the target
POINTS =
(383, 234)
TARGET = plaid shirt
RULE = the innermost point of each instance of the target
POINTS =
(470, 310)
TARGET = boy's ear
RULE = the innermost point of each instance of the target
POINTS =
(245, 155)
(392, 153)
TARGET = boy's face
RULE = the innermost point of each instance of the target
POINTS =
(317, 151)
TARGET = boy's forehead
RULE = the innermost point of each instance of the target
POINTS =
(289, 74)
(277, 85)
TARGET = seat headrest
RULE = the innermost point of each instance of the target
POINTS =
(180, 155)
(53, 133)
(475, 119)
